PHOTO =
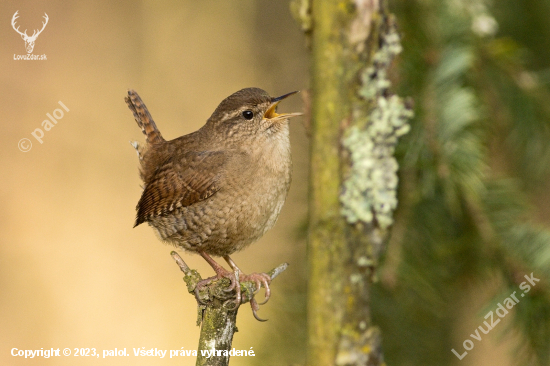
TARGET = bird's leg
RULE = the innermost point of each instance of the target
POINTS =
(220, 273)
(258, 278)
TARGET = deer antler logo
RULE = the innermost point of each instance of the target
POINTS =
(29, 41)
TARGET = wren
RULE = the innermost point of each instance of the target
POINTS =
(220, 188)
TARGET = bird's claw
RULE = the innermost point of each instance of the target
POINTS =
(234, 281)
(259, 279)
(255, 307)
(235, 306)
(200, 286)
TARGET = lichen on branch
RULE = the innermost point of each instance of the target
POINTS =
(370, 188)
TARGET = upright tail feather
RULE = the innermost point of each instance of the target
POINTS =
(143, 118)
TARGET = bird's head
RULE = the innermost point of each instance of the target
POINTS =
(249, 112)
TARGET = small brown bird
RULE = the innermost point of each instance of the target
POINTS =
(218, 189)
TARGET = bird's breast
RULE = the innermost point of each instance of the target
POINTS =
(261, 188)
(276, 166)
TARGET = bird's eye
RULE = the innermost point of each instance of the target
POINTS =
(248, 114)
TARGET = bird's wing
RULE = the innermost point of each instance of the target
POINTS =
(181, 181)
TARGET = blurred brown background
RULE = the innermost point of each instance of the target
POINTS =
(73, 272)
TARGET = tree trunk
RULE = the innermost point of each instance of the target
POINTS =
(352, 44)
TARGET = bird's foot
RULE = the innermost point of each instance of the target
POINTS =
(255, 282)
(260, 279)
(220, 274)
(235, 277)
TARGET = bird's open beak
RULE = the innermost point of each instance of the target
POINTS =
(271, 112)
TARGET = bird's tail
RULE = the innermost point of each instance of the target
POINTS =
(143, 118)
